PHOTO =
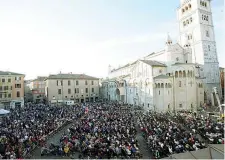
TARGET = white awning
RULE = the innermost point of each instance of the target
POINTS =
(3, 111)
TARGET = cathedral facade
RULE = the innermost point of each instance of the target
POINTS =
(181, 76)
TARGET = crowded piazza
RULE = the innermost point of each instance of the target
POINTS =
(104, 130)
(112, 79)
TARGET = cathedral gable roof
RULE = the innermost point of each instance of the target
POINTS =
(153, 63)
(162, 77)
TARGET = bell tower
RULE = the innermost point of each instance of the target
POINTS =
(196, 27)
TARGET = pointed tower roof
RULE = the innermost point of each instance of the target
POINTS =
(169, 40)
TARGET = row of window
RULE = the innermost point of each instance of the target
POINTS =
(167, 85)
(69, 82)
(183, 74)
(9, 95)
(9, 87)
(5, 88)
(187, 21)
(77, 100)
(76, 90)
(203, 4)
(5, 95)
(3, 80)
(205, 18)
(186, 8)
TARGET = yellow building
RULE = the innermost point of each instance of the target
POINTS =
(72, 88)
(11, 89)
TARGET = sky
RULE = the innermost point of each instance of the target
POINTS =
(42, 37)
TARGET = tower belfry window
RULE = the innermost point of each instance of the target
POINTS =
(183, 10)
(189, 5)
(187, 21)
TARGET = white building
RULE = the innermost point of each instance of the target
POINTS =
(196, 26)
(176, 77)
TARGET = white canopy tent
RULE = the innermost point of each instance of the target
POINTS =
(3, 111)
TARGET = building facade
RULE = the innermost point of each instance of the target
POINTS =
(181, 76)
(222, 75)
(28, 97)
(62, 88)
(11, 89)
(37, 87)
(157, 86)
(196, 28)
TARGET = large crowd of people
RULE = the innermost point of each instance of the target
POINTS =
(167, 135)
(105, 130)
(23, 128)
(101, 133)
(208, 128)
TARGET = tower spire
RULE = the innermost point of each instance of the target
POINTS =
(169, 40)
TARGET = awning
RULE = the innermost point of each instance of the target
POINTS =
(3, 111)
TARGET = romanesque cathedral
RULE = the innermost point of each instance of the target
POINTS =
(179, 77)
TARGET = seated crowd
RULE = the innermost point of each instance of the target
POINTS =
(211, 130)
(23, 128)
(165, 137)
(101, 133)
(104, 130)
(166, 134)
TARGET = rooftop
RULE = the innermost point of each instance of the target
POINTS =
(162, 77)
(71, 76)
(124, 66)
(153, 63)
(40, 78)
(10, 73)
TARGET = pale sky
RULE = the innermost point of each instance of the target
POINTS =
(42, 37)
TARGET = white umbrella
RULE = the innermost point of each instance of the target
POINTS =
(3, 111)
